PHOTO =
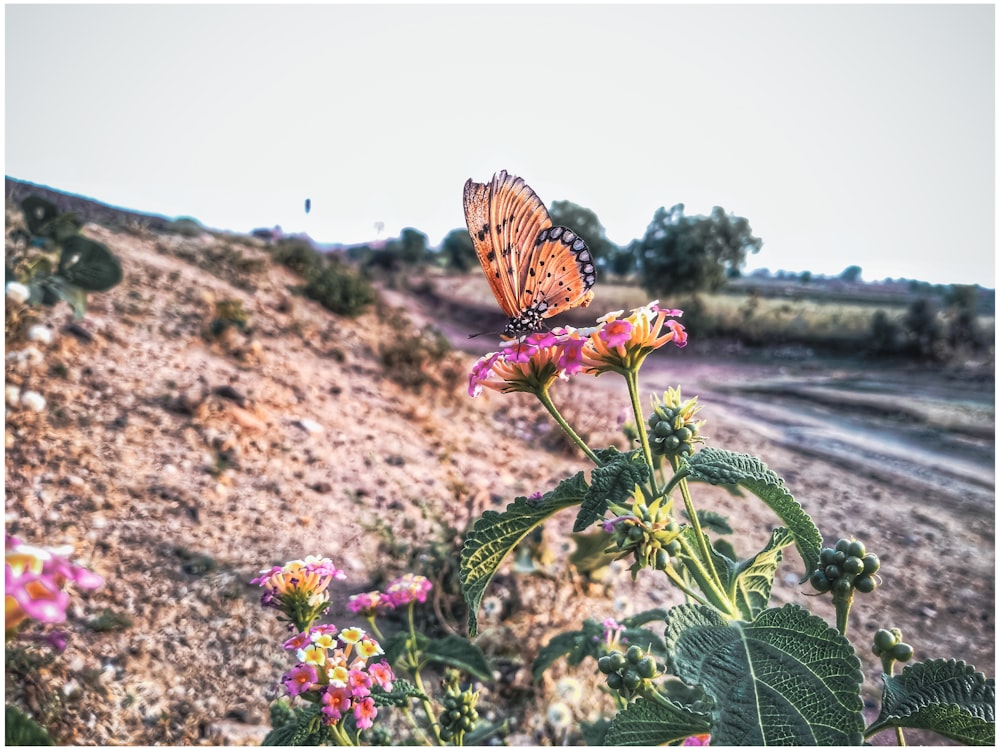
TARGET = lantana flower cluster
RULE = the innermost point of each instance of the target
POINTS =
(299, 588)
(403, 590)
(34, 583)
(337, 669)
(618, 343)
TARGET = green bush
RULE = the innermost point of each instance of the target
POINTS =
(299, 256)
(340, 289)
(416, 359)
(185, 226)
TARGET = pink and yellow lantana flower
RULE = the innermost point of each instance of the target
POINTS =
(338, 670)
(534, 362)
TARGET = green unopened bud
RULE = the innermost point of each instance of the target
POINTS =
(672, 426)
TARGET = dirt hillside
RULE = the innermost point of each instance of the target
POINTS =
(177, 464)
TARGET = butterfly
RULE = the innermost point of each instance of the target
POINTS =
(534, 269)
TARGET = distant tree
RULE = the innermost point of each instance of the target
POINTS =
(963, 328)
(457, 251)
(622, 260)
(851, 274)
(805, 277)
(923, 330)
(412, 247)
(585, 223)
(681, 254)
(885, 334)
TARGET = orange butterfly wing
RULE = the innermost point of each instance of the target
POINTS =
(534, 270)
(562, 271)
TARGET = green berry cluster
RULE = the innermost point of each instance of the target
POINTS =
(652, 541)
(627, 672)
(670, 433)
(844, 567)
(888, 644)
(459, 715)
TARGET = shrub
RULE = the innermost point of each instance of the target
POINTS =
(299, 256)
(340, 289)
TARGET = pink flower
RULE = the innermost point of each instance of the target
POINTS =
(369, 604)
(381, 674)
(698, 740)
(299, 588)
(482, 371)
(34, 578)
(297, 641)
(300, 679)
(359, 682)
(616, 332)
(365, 712)
(408, 588)
(571, 344)
(336, 701)
(621, 344)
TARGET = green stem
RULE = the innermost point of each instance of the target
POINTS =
(679, 583)
(632, 379)
(413, 661)
(708, 580)
(842, 604)
(375, 630)
(341, 736)
(706, 555)
(543, 396)
(417, 729)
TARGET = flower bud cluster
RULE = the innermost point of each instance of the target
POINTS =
(649, 534)
(889, 644)
(845, 568)
(672, 428)
(459, 715)
(630, 673)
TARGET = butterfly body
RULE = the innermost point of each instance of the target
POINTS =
(534, 269)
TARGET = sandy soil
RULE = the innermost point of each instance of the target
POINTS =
(178, 465)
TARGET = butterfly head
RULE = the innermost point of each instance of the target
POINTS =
(528, 321)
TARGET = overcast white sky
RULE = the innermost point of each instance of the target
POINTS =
(845, 134)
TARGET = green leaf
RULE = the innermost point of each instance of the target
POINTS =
(495, 535)
(459, 653)
(712, 521)
(641, 618)
(577, 645)
(89, 265)
(74, 296)
(787, 678)
(402, 692)
(20, 729)
(305, 728)
(724, 565)
(944, 695)
(280, 736)
(720, 467)
(61, 227)
(38, 212)
(647, 723)
(589, 555)
(755, 577)
(614, 481)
